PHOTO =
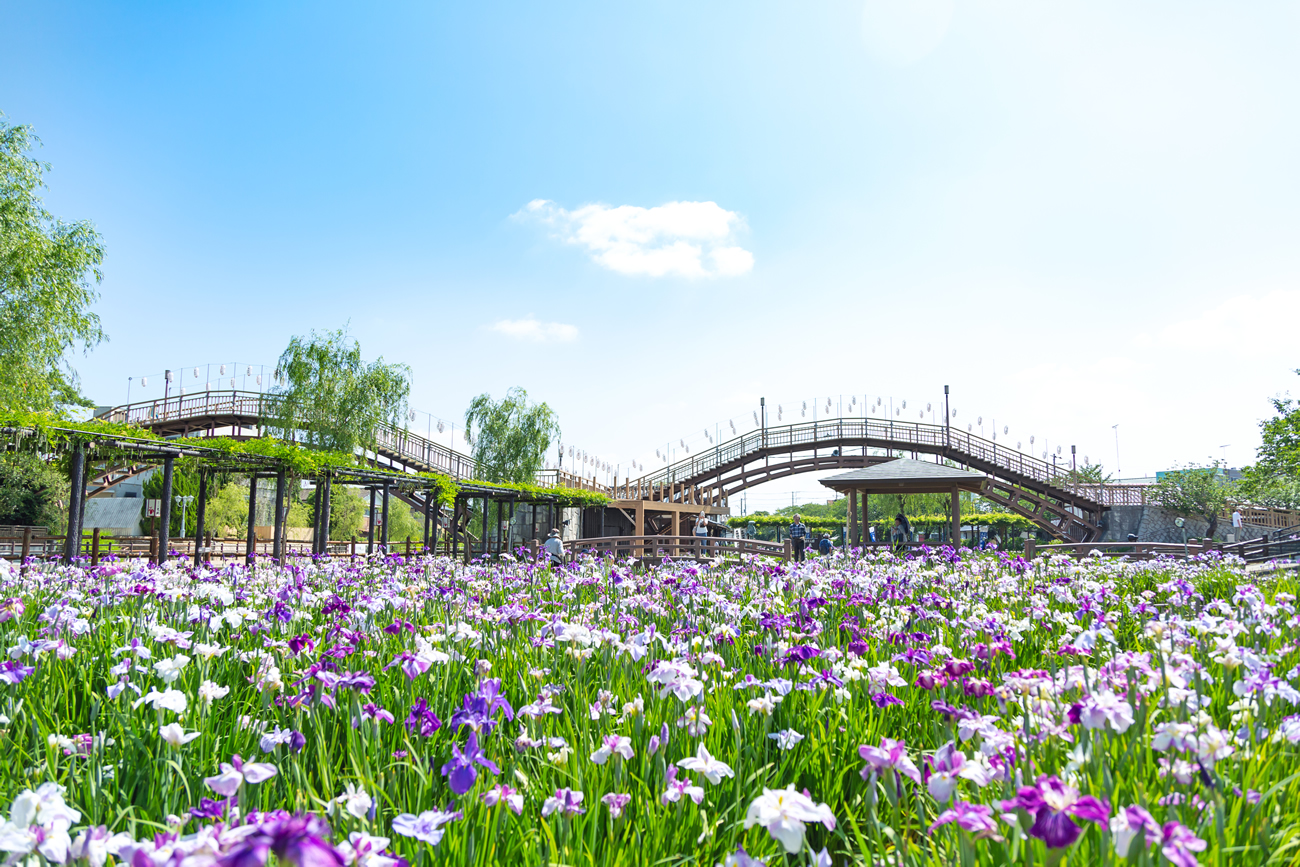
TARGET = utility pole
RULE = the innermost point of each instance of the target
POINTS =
(947, 421)
(1115, 427)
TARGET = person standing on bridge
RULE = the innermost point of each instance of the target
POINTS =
(798, 537)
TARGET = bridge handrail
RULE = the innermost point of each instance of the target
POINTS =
(898, 434)
(396, 440)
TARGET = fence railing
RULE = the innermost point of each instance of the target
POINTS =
(678, 547)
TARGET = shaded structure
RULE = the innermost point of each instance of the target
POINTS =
(903, 476)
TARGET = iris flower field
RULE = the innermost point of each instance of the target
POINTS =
(945, 708)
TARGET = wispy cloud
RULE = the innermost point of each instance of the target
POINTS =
(683, 239)
(538, 332)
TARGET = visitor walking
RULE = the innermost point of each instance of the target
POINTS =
(798, 537)
(1236, 524)
(555, 548)
(900, 534)
(702, 534)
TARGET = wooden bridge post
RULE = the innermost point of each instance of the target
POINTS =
(27, 544)
(94, 547)
(788, 551)
(383, 543)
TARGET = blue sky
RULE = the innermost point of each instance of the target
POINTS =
(1078, 215)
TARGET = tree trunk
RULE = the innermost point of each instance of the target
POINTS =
(1214, 523)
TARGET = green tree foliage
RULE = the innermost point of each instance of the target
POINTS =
(32, 493)
(48, 269)
(347, 511)
(227, 515)
(1196, 492)
(509, 437)
(331, 399)
(402, 523)
(1087, 474)
(1274, 479)
(185, 483)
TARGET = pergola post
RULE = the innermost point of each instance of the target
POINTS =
(428, 502)
(384, 537)
(250, 541)
(77, 492)
(277, 546)
(200, 517)
(325, 516)
(370, 528)
(165, 509)
(434, 495)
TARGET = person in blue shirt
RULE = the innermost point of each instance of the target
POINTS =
(824, 545)
(799, 538)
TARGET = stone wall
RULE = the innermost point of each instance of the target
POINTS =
(1155, 524)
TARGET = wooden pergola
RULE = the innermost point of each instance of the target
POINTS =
(903, 476)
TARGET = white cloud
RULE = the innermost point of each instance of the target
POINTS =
(683, 239)
(538, 332)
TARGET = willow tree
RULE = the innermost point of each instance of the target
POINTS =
(48, 269)
(509, 437)
(329, 398)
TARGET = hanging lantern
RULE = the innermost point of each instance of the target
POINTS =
(1058, 450)
(755, 417)
(927, 407)
(954, 413)
(196, 373)
(1005, 430)
(853, 401)
(410, 415)
(208, 386)
(803, 413)
(969, 428)
(880, 401)
(232, 382)
(439, 425)
(249, 371)
(1017, 445)
(169, 376)
(904, 404)
(1086, 461)
(805, 406)
(873, 409)
(733, 426)
(898, 412)
(223, 370)
(1031, 439)
(144, 382)
(259, 379)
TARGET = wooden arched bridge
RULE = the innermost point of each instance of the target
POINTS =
(1020, 483)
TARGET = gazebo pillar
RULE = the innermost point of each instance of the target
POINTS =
(956, 516)
(853, 519)
(866, 519)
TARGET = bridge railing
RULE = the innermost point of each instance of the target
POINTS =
(254, 406)
(897, 434)
(184, 406)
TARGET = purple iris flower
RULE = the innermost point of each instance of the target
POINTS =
(210, 809)
(11, 608)
(975, 818)
(800, 654)
(13, 672)
(1052, 803)
(301, 642)
(421, 720)
(479, 706)
(460, 770)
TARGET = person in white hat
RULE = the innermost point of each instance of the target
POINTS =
(555, 547)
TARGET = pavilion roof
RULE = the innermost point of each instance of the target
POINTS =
(906, 476)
